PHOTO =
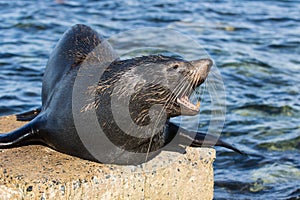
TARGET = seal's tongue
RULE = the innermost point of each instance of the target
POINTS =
(188, 106)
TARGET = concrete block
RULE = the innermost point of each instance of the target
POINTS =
(38, 172)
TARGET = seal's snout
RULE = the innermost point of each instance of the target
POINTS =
(209, 63)
(203, 65)
(200, 70)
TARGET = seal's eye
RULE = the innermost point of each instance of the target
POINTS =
(175, 66)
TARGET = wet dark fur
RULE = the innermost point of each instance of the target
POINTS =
(53, 124)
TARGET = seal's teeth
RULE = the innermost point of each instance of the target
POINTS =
(186, 102)
(198, 104)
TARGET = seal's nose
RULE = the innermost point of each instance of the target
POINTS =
(209, 63)
(203, 64)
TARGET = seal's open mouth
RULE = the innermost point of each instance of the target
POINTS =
(187, 107)
(196, 74)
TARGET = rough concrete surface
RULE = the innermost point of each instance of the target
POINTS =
(37, 172)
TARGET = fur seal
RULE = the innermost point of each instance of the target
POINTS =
(54, 125)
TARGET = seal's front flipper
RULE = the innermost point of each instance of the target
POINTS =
(198, 139)
(207, 140)
(29, 115)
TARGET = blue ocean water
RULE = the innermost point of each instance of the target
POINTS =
(255, 45)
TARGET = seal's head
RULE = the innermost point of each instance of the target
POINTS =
(156, 80)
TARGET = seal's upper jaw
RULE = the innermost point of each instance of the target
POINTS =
(197, 75)
(200, 71)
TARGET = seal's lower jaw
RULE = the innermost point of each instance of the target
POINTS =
(187, 107)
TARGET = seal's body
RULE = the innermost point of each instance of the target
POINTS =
(130, 87)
